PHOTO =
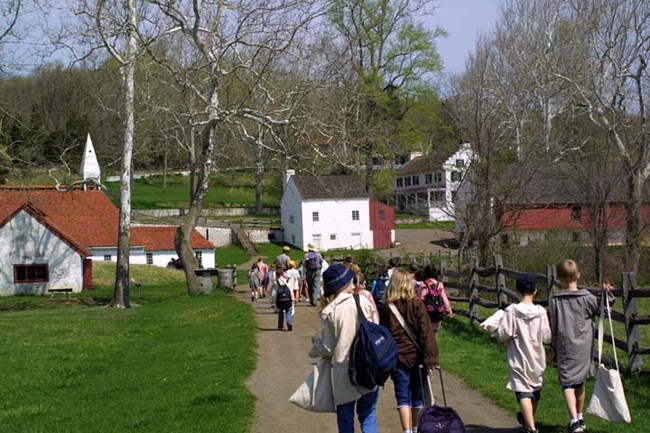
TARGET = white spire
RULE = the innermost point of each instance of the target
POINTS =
(89, 164)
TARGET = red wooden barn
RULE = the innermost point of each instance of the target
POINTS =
(382, 224)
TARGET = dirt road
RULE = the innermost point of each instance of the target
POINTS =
(283, 364)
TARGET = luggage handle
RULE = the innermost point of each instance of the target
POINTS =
(442, 384)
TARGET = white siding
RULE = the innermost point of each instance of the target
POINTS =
(24, 240)
(291, 208)
(335, 217)
(138, 256)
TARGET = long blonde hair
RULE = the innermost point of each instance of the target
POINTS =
(399, 287)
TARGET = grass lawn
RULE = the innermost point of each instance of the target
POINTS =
(237, 190)
(173, 364)
(482, 362)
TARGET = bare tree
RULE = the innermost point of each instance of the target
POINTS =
(612, 88)
(213, 43)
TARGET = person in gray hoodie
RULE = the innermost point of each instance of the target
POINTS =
(525, 328)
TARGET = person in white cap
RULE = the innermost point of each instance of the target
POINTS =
(282, 260)
(313, 264)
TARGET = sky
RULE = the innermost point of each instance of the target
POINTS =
(463, 20)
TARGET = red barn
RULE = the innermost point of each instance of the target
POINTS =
(382, 224)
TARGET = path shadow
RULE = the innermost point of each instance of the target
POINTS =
(269, 329)
(451, 243)
(473, 428)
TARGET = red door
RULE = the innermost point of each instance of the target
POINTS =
(88, 274)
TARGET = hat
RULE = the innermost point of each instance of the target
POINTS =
(335, 278)
(292, 264)
(526, 284)
(286, 248)
(311, 247)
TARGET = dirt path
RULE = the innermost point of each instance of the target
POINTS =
(283, 364)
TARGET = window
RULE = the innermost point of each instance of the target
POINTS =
(576, 214)
(455, 176)
(314, 216)
(416, 180)
(407, 181)
(37, 273)
(438, 196)
(107, 257)
(382, 215)
(428, 178)
(437, 177)
(400, 182)
(333, 237)
(460, 163)
(291, 219)
(199, 257)
(149, 258)
(355, 215)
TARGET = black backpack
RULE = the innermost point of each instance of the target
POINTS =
(373, 354)
(434, 302)
(283, 299)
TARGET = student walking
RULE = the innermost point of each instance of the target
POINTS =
(263, 269)
(571, 312)
(313, 262)
(525, 328)
(432, 293)
(339, 323)
(293, 280)
(282, 299)
(254, 282)
(417, 357)
(283, 259)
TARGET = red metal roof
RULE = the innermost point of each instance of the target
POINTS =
(87, 216)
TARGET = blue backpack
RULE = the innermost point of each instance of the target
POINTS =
(378, 290)
(373, 354)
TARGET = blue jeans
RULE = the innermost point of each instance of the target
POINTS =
(408, 383)
(366, 410)
(281, 314)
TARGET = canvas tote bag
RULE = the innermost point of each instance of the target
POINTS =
(608, 400)
(316, 393)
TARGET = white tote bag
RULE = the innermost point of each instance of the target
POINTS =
(608, 400)
(316, 393)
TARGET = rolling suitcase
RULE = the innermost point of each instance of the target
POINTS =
(439, 419)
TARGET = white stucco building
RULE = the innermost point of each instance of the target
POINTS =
(427, 184)
(36, 256)
(332, 212)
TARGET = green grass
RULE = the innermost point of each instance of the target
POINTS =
(173, 364)
(438, 225)
(236, 190)
(482, 363)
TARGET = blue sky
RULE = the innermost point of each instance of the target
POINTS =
(463, 20)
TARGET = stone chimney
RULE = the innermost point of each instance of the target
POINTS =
(287, 176)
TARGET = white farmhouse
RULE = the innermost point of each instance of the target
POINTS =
(427, 184)
(332, 212)
(37, 256)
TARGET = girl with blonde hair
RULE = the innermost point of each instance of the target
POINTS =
(415, 357)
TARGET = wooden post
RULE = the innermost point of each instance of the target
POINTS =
(500, 282)
(550, 277)
(631, 309)
(473, 292)
(443, 271)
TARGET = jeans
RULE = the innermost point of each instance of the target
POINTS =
(281, 314)
(408, 383)
(366, 411)
(313, 285)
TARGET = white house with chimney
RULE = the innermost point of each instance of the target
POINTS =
(332, 212)
(427, 184)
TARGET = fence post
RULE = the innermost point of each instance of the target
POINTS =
(500, 282)
(631, 309)
(443, 271)
(473, 292)
(550, 277)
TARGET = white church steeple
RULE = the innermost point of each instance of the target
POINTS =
(89, 164)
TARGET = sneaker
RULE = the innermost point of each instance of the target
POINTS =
(290, 327)
(575, 427)
(582, 424)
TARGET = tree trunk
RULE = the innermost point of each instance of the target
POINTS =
(633, 226)
(185, 251)
(259, 173)
(121, 294)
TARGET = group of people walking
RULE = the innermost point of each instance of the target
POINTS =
(411, 302)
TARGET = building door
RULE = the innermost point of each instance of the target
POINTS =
(316, 239)
(356, 240)
(87, 274)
